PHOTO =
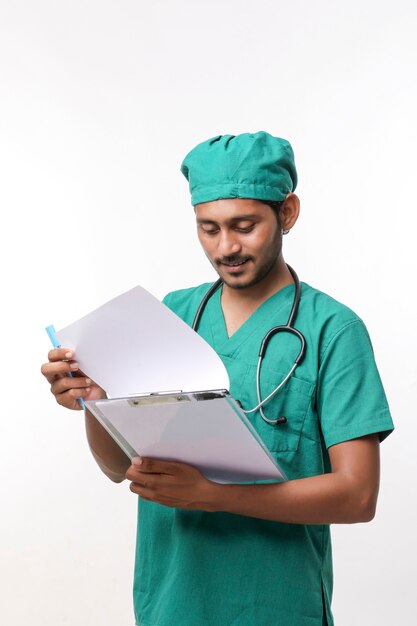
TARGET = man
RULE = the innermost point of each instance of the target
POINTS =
(253, 554)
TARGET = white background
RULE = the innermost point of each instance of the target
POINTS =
(100, 101)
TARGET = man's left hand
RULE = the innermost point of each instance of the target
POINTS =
(170, 483)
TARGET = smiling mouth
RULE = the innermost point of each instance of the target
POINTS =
(234, 263)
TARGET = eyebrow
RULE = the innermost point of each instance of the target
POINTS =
(237, 218)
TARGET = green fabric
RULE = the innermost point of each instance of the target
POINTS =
(216, 569)
(250, 165)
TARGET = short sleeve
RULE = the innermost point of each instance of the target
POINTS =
(167, 300)
(351, 401)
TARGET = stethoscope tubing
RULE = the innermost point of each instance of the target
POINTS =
(286, 328)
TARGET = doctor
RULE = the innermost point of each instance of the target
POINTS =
(228, 555)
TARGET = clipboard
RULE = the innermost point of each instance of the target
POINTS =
(145, 356)
(206, 429)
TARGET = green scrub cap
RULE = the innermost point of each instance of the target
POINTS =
(250, 165)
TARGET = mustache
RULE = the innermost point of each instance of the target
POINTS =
(232, 260)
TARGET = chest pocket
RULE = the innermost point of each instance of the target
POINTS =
(291, 402)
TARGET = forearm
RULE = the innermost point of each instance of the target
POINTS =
(346, 495)
(110, 458)
(325, 499)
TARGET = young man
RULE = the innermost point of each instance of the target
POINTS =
(253, 554)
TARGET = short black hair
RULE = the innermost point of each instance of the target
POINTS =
(276, 206)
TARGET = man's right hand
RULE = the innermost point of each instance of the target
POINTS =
(67, 389)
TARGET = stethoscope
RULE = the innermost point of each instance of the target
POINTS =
(287, 328)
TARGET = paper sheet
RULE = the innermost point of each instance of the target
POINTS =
(134, 344)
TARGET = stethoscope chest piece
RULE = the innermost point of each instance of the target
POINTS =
(281, 420)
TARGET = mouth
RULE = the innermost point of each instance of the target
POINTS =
(234, 266)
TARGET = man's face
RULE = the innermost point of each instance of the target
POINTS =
(241, 238)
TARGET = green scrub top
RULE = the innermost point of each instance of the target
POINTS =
(217, 569)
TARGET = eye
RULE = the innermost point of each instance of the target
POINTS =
(209, 229)
(244, 227)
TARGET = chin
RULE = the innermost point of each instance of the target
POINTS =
(240, 282)
(245, 282)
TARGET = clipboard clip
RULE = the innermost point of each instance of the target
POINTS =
(162, 397)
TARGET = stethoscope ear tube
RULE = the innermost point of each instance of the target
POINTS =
(204, 301)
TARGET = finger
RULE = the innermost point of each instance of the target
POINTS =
(136, 488)
(151, 481)
(54, 370)
(144, 491)
(70, 399)
(155, 466)
(62, 385)
(142, 478)
(60, 354)
(158, 466)
(151, 496)
(141, 491)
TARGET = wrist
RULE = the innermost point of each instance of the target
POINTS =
(217, 496)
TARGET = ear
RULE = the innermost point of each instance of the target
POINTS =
(290, 211)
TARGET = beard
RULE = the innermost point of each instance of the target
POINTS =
(261, 272)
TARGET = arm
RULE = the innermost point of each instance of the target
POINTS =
(110, 458)
(346, 495)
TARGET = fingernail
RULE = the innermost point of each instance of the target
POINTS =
(137, 460)
(74, 366)
(87, 381)
(69, 355)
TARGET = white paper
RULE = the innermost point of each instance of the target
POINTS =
(211, 435)
(134, 344)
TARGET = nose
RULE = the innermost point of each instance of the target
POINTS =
(229, 243)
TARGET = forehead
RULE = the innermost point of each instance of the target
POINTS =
(230, 209)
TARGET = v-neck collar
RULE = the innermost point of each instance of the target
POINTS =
(262, 316)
